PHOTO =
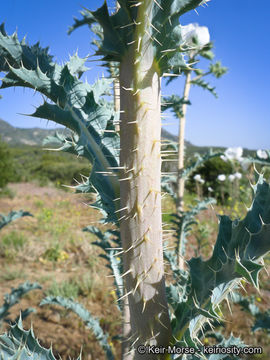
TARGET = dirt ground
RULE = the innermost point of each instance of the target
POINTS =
(52, 324)
(55, 229)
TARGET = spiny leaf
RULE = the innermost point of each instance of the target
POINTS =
(15, 295)
(22, 344)
(168, 182)
(199, 162)
(175, 103)
(237, 254)
(14, 53)
(262, 322)
(89, 321)
(227, 343)
(119, 30)
(218, 70)
(183, 222)
(205, 85)
(76, 105)
(76, 65)
(247, 303)
(114, 261)
(23, 315)
(88, 19)
(13, 215)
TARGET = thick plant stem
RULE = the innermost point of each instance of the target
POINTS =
(181, 155)
(126, 353)
(141, 224)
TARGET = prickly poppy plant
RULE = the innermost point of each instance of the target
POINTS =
(144, 39)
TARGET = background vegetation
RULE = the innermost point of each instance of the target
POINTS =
(32, 163)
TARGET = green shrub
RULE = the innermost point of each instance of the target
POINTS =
(6, 165)
(55, 254)
(55, 169)
(33, 163)
(7, 193)
(209, 172)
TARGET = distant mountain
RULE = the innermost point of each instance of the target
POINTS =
(167, 135)
(17, 136)
(190, 148)
(34, 136)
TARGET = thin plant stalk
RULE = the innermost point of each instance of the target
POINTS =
(116, 94)
(116, 87)
(181, 156)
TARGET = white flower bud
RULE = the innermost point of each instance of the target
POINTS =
(245, 163)
(194, 31)
(238, 175)
(234, 153)
(221, 177)
(224, 158)
(262, 154)
(197, 177)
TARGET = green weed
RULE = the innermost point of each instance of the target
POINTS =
(39, 203)
(12, 240)
(55, 254)
(66, 288)
(92, 261)
(6, 192)
(9, 275)
(45, 215)
(45, 278)
(86, 285)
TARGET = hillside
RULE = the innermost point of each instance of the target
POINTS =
(18, 136)
(15, 136)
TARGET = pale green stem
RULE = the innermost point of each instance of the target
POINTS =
(140, 191)
(126, 354)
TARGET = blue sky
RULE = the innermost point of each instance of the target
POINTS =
(240, 31)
